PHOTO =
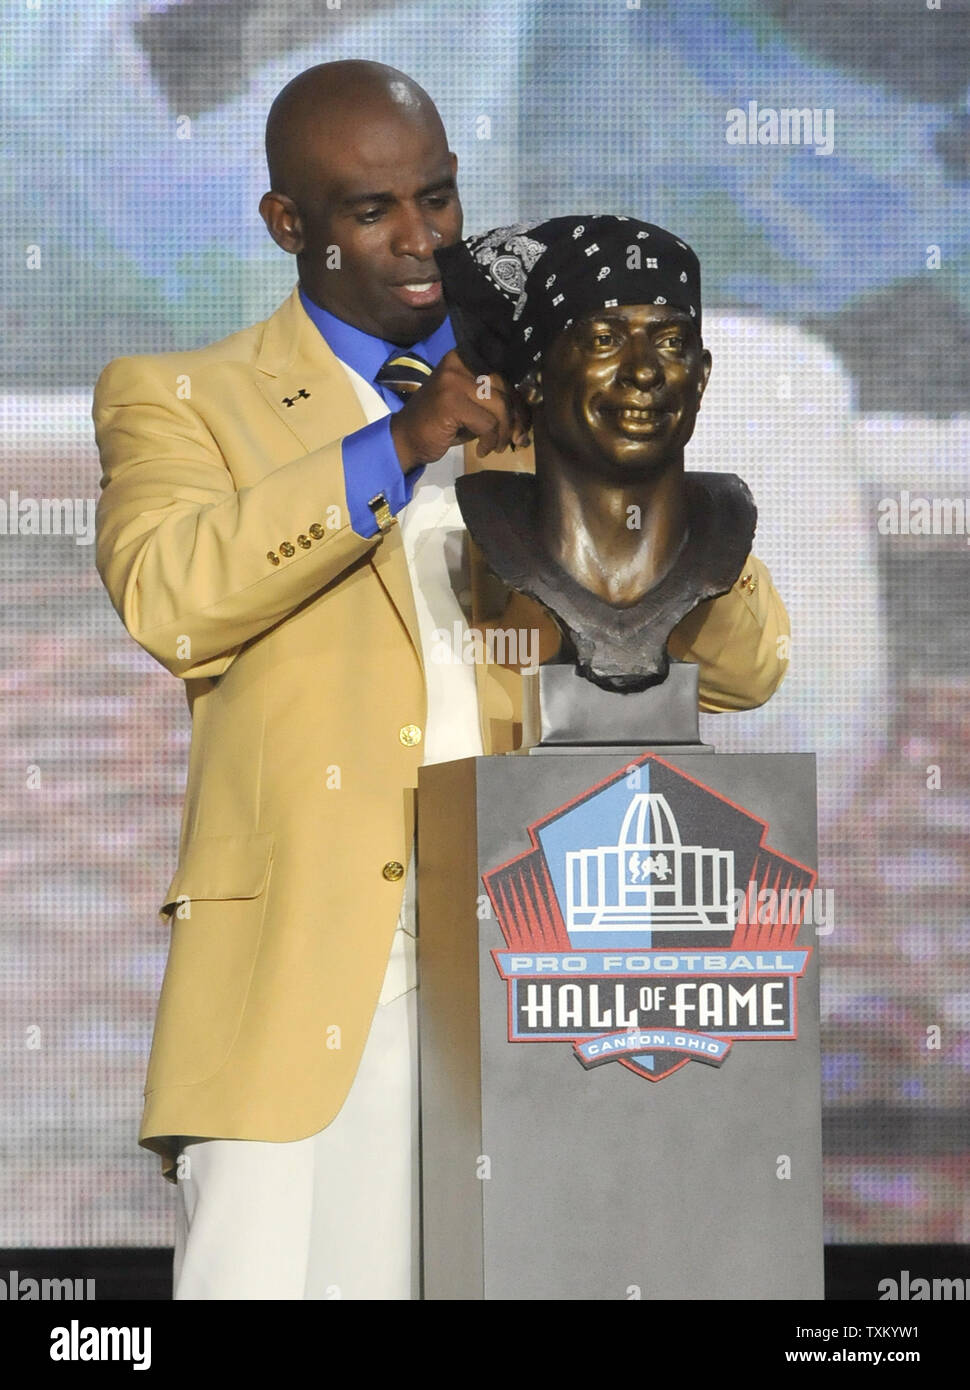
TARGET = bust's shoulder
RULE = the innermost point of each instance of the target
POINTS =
(498, 493)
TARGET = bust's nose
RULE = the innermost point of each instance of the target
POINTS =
(640, 364)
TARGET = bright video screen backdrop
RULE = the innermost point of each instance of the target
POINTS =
(836, 307)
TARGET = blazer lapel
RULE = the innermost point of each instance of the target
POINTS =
(305, 384)
(302, 381)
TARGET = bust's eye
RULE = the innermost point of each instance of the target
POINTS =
(676, 341)
(603, 339)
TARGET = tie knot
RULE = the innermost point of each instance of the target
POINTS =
(403, 373)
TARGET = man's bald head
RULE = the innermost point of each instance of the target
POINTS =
(323, 100)
(363, 193)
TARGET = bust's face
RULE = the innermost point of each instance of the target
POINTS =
(620, 388)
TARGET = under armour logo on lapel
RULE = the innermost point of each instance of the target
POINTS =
(302, 394)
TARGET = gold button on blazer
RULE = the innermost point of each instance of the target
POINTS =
(303, 671)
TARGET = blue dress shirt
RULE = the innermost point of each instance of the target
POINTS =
(370, 461)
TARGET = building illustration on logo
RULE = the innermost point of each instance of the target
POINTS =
(619, 894)
(650, 923)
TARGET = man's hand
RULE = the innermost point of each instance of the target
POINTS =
(453, 406)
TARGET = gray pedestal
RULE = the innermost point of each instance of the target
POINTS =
(591, 895)
(562, 710)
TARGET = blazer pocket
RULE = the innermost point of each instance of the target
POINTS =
(217, 904)
(220, 866)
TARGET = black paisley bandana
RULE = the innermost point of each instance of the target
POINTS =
(511, 291)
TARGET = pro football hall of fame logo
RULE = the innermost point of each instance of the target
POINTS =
(651, 924)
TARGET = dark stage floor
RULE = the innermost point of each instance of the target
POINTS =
(852, 1272)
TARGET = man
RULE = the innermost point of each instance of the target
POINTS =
(266, 533)
(239, 554)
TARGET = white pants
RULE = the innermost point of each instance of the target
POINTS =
(331, 1216)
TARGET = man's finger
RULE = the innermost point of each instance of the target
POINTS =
(501, 406)
(521, 422)
(489, 444)
(481, 416)
(503, 432)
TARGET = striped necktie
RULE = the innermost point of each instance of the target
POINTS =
(403, 373)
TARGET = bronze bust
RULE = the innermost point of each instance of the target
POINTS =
(596, 321)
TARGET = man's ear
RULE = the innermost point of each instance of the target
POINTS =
(530, 389)
(283, 221)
